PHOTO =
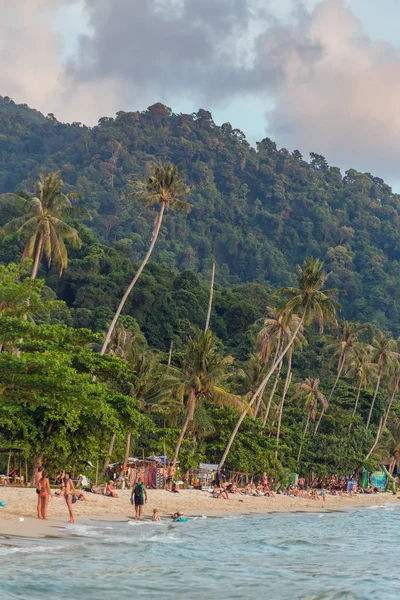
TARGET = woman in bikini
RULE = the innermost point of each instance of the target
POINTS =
(38, 477)
(69, 495)
(43, 486)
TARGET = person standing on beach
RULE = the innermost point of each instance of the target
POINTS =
(44, 494)
(70, 496)
(139, 497)
(38, 477)
(170, 477)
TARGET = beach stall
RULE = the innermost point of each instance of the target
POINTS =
(152, 470)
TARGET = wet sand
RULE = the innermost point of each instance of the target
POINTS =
(21, 504)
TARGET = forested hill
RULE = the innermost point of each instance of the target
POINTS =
(259, 212)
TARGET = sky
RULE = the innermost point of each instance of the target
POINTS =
(314, 75)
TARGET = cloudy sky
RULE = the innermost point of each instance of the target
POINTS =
(315, 75)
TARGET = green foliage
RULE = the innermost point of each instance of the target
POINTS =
(258, 212)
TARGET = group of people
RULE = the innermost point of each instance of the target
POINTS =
(221, 487)
(265, 486)
(67, 491)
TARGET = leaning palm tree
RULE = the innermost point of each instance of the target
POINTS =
(164, 186)
(314, 303)
(383, 353)
(347, 339)
(199, 377)
(43, 223)
(309, 389)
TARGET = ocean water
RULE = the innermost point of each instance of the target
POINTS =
(308, 556)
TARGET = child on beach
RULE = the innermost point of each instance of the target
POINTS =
(155, 516)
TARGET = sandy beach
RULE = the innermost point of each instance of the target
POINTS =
(21, 504)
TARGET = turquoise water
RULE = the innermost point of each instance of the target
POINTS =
(330, 556)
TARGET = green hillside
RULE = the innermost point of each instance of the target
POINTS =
(259, 212)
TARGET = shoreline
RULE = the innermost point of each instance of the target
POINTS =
(21, 504)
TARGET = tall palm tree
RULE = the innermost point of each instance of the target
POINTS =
(282, 402)
(393, 387)
(360, 367)
(164, 186)
(270, 339)
(210, 300)
(314, 303)
(44, 223)
(277, 331)
(299, 341)
(348, 337)
(198, 377)
(383, 353)
(309, 389)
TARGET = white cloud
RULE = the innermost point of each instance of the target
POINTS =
(344, 102)
(334, 90)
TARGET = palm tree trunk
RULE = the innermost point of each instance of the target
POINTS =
(134, 280)
(38, 255)
(127, 450)
(389, 407)
(357, 399)
(285, 389)
(211, 296)
(110, 451)
(340, 369)
(304, 437)
(272, 394)
(330, 395)
(260, 397)
(378, 435)
(189, 416)
(171, 345)
(378, 382)
(182, 435)
(263, 383)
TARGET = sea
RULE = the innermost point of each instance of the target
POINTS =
(309, 556)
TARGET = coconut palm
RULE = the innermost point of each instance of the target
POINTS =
(249, 377)
(199, 377)
(383, 353)
(309, 389)
(314, 303)
(348, 337)
(277, 330)
(210, 300)
(393, 387)
(300, 340)
(164, 186)
(282, 402)
(43, 223)
(359, 366)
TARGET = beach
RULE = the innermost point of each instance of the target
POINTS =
(21, 503)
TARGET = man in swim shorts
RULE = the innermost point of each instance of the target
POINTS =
(139, 497)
